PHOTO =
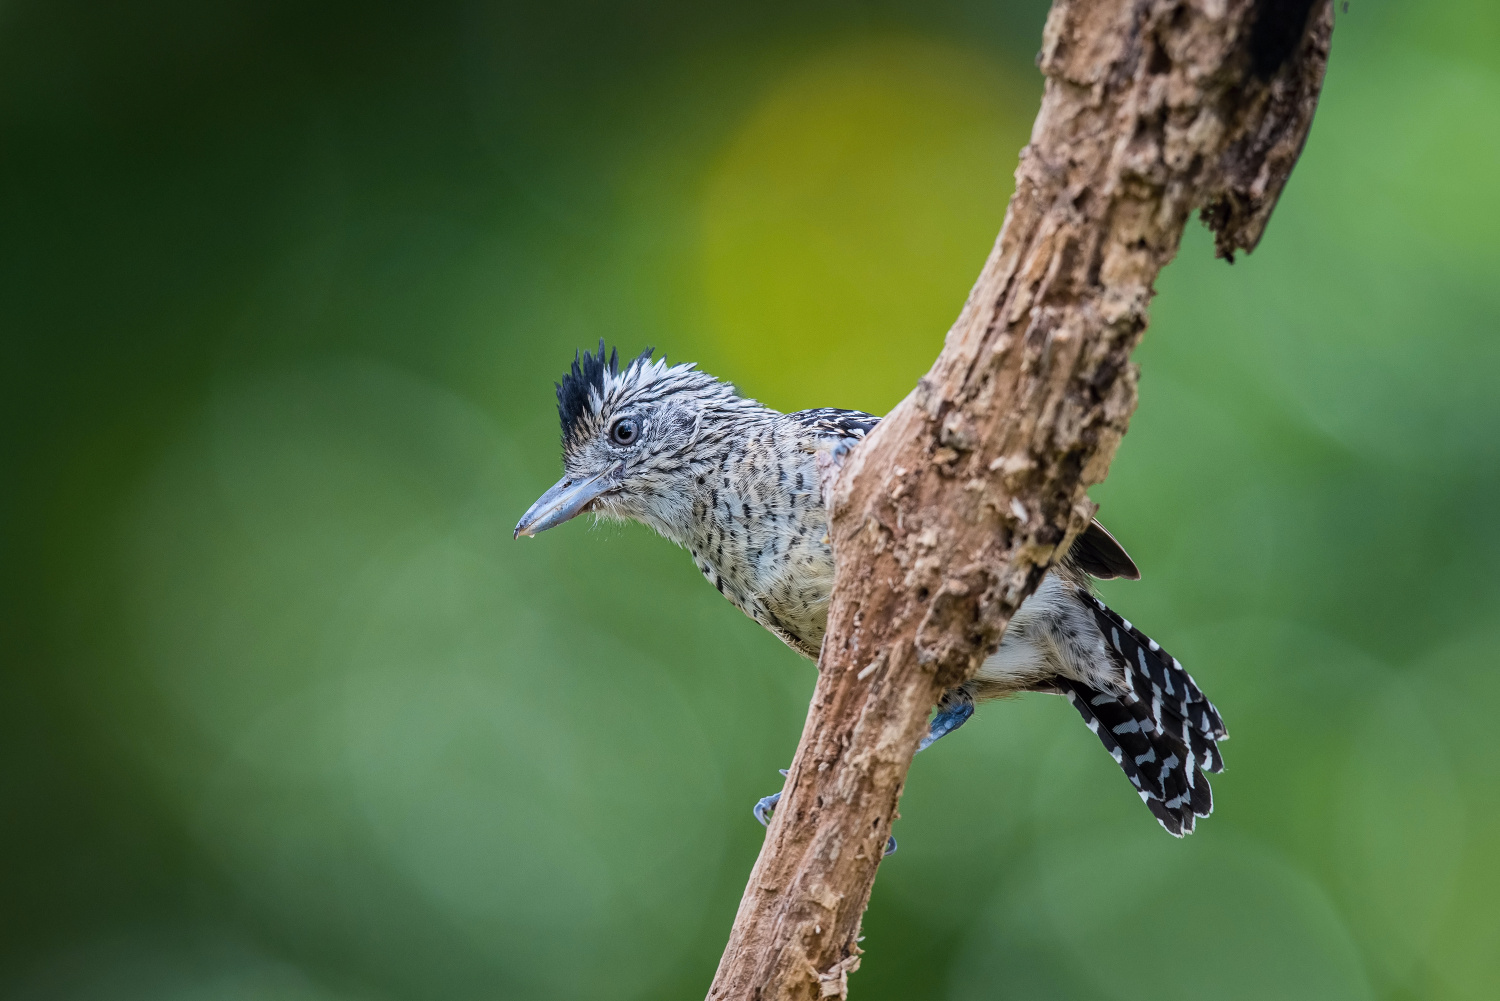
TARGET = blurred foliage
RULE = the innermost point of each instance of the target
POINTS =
(284, 711)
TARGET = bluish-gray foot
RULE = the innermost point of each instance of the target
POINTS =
(953, 712)
(766, 806)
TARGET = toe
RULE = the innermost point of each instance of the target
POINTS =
(765, 808)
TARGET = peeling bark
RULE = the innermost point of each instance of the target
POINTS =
(949, 514)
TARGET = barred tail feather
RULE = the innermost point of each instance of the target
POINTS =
(1160, 727)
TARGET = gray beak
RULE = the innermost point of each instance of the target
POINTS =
(566, 499)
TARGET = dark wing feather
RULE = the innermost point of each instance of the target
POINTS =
(1098, 554)
(833, 421)
(1095, 551)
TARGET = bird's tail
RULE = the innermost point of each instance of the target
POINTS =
(1159, 726)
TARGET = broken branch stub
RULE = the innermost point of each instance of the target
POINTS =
(948, 515)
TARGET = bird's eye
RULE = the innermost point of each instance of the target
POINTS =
(625, 431)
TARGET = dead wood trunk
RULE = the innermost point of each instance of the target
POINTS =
(948, 515)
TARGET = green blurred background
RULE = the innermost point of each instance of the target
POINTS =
(285, 712)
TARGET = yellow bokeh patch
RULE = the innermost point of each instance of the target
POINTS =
(844, 222)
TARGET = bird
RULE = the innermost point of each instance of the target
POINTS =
(736, 484)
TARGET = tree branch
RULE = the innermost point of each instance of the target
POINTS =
(949, 514)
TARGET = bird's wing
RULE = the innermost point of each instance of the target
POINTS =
(831, 422)
(829, 433)
(1095, 552)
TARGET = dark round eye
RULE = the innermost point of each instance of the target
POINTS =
(625, 431)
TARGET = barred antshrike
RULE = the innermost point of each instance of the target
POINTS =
(737, 485)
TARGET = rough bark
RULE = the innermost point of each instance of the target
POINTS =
(948, 515)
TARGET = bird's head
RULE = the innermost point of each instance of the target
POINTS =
(630, 438)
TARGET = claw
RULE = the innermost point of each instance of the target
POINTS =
(765, 808)
(767, 805)
(953, 712)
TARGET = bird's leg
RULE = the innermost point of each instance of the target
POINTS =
(766, 806)
(953, 712)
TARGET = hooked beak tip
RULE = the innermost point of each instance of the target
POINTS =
(565, 500)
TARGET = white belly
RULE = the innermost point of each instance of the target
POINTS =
(1051, 633)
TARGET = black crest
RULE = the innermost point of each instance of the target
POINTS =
(588, 374)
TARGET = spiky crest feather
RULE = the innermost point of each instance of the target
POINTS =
(597, 384)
